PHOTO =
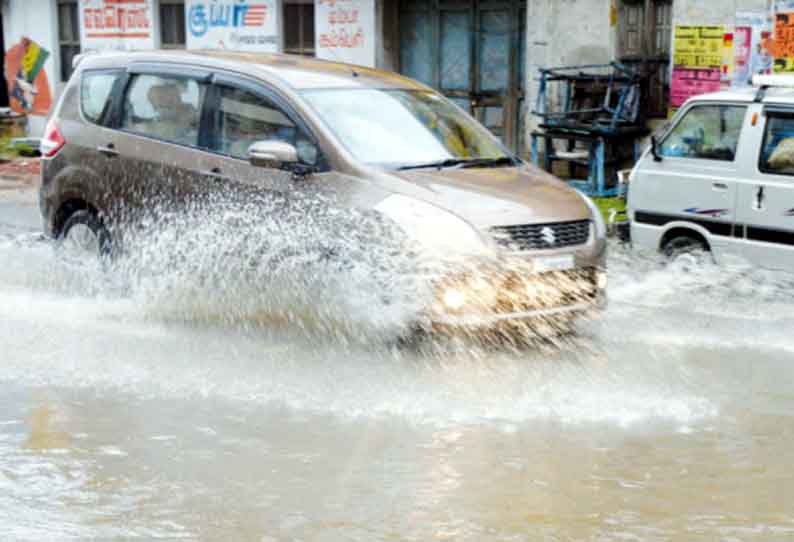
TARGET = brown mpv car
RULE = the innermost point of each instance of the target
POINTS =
(132, 125)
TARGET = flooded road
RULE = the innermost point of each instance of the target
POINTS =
(670, 418)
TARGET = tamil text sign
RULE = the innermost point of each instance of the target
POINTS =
(116, 24)
(345, 31)
(242, 25)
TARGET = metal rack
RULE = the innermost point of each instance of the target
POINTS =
(595, 111)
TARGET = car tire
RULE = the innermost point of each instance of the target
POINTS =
(84, 236)
(686, 247)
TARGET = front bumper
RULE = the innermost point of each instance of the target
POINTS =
(498, 320)
(563, 296)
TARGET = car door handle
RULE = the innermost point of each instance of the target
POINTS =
(108, 150)
(215, 174)
(719, 186)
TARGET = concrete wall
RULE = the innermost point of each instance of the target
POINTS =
(563, 33)
(566, 32)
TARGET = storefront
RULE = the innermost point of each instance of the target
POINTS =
(473, 52)
(41, 41)
(483, 54)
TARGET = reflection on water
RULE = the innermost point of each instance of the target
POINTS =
(667, 419)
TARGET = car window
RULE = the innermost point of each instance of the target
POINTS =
(708, 132)
(95, 89)
(167, 108)
(243, 118)
(398, 127)
(777, 151)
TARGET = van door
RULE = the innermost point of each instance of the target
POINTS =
(694, 183)
(765, 202)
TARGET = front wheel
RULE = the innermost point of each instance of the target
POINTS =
(686, 249)
(84, 238)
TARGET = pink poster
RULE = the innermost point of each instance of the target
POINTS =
(688, 82)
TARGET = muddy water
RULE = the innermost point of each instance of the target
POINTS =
(671, 418)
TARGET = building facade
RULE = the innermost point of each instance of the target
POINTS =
(483, 54)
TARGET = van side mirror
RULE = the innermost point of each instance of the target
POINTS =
(272, 154)
(655, 149)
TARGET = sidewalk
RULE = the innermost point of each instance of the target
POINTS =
(19, 180)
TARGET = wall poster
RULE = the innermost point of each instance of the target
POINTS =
(698, 53)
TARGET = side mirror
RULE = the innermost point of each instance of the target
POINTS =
(272, 154)
(655, 149)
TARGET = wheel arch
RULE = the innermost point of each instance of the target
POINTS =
(680, 229)
(67, 208)
(70, 190)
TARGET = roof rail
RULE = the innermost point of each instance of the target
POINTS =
(765, 82)
(78, 58)
(777, 80)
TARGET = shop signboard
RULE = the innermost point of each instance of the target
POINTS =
(345, 31)
(239, 25)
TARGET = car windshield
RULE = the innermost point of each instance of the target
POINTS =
(404, 128)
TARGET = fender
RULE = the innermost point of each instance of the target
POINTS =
(71, 182)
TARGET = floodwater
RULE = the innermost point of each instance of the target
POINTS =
(670, 418)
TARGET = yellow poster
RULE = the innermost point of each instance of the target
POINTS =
(698, 46)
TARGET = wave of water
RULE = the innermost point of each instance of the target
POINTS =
(215, 306)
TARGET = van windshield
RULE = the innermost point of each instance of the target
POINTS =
(404, 128)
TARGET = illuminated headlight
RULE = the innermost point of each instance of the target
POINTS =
(476, 294)
(437, 230)
(454, 300)
(601, 280)
(598, 218)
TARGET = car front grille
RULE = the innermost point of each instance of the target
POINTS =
(542, 236)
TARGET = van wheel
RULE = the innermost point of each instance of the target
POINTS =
(83, 237)
(685, 248)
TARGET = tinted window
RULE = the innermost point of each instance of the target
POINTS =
(95, 89)
(244, 118)
(707, 131)
(167, 108)
(777, 152)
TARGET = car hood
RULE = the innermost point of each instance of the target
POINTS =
(487, 197)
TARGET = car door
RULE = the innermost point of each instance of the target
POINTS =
(88, 130)
(694, 180)
(245, 112)
(155, 154)
(765, 199)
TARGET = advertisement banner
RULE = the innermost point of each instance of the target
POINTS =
(783, 42)
(688, 82)
(238, 25)
(345, 31)
(698, 62)
(750, 55)
(116, 24)
(698, 46)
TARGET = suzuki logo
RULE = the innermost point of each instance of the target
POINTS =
(548, 235)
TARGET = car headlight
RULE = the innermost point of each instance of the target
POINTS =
(598, 218)
(435, 229)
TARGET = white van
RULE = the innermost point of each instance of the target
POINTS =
(721, 178)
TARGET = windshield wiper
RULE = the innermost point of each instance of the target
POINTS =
(441, 164)
(462, 162)
(490, 162)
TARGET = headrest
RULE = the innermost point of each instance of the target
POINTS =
(165, 96)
